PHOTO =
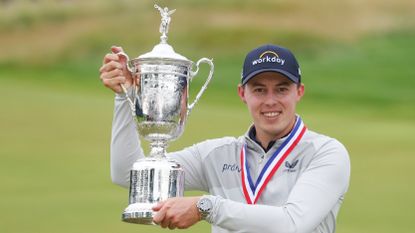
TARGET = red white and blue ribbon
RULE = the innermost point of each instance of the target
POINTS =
(253, 191)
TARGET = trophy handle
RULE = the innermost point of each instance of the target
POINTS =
(124, 89)
(210, 63)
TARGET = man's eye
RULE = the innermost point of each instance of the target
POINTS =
(259, 90)
(282, 89)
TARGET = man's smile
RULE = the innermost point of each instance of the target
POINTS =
(271, 114)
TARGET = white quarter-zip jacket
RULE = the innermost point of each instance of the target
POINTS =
(303, 196)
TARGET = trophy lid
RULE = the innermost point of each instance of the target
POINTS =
(164, 50)
(161, 51)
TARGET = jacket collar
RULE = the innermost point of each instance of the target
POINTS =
(253, 144)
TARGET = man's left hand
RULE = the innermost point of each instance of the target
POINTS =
(178, 212)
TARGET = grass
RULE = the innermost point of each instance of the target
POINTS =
(56, 129)
(56, 115)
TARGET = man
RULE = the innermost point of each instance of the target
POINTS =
(278, 177)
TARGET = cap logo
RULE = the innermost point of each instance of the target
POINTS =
(271, 52)
(268, 57)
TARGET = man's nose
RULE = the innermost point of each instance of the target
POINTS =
(271, 98)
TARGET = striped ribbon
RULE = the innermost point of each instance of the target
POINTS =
(253, 191)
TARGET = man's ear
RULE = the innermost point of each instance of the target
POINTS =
(241, 92)
(300, 91)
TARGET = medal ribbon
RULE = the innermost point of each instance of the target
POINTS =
(253, 191)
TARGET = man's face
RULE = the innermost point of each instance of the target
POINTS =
(271, 99)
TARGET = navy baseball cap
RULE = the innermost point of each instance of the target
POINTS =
(271, 58)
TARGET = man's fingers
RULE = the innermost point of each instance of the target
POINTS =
(176, 213)
(114, 83)
(110, 57)
(172, 226)
(112, 74)
(160, 215)
(165, 223)
(168, 220)
(116, 49)
(158, 206)
(110, 66)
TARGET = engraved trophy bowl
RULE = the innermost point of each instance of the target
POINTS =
(159, 104)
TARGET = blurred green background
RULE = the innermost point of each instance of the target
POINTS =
(357, 65)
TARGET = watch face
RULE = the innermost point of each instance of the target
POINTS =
(205, 204)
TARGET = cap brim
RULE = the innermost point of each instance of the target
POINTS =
(283, 72)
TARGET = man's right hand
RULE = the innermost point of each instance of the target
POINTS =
(114, 71)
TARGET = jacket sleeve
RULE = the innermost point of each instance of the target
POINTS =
(317, 191)
(191, 161)
(125, 142)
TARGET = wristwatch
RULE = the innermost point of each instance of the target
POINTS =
(205, 206)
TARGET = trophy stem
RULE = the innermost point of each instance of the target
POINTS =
(158, 149)
(163, 39)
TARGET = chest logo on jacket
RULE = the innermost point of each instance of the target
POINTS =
(231, 167)
(290, 167)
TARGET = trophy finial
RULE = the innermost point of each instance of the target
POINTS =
(165, 21)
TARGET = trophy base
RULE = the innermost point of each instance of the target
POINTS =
(139, 214)
(152, 180)
(145, 218)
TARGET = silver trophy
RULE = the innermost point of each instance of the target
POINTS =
(159, 104)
